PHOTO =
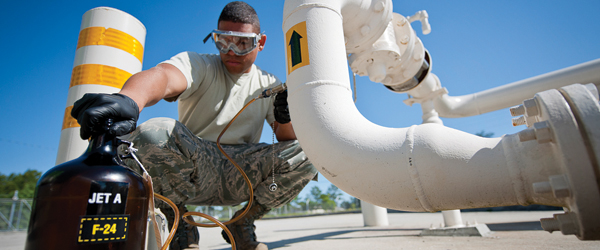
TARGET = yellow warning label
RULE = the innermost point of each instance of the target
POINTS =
(297, 47)
(112, 38)
(99, 74)
(68, 120)
(106, 228)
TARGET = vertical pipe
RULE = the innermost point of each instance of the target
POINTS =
(452, 218)
(373, 215)
(15, 198)
(19, 214)
(110, 49)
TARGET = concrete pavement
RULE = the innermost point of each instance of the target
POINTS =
(510, 230)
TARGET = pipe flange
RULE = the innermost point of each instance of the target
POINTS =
(572, 115)
(368, 22)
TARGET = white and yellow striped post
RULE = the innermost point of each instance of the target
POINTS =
(110, 49)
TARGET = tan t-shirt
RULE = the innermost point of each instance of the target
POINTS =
(214, 96)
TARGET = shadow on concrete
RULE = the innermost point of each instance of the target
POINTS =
(509, 226)
(515, 226)
(350, 229)
(323, 236)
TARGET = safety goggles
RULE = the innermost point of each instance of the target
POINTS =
(240, 43)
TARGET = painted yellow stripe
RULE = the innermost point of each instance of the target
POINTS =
(69, 121)
(99, 74)
(113, 38)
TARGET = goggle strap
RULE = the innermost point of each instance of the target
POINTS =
(207, 37)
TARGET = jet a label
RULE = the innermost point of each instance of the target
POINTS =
(107, 198)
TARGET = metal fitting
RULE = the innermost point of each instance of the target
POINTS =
(542, 187)
(529, 111)
(527, 135)
(404, 40)
(550, 224)
(543, 132)
(531, 107)
(518, 121)
(517, 110)
(365, 29)
(560, 186)
(379, 6)
(401, 22)
(566, 223)
(272, 91)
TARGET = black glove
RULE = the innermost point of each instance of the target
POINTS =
(93, 111)
(281, 111)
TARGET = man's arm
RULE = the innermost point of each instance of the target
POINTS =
(94, 111)
(284, 132)
(148, 87)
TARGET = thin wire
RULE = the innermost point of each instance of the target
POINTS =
(187, 214)
(354, 80)
(175, 221)
(273, 150)
(132, 151)
(217, 222)
(239, 169)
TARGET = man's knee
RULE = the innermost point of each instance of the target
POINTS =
(155, 131)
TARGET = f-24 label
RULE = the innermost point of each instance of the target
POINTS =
(106, 198)
(104, 228)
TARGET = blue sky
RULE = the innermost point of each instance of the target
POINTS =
(475, 45)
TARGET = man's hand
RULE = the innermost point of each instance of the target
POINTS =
(281, 111)
(93, 111)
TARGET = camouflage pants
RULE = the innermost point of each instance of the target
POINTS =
(190, 170)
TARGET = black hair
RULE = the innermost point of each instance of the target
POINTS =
(240, 12)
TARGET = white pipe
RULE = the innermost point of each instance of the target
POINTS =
(367, 19)
(514, 93)
(374, 216)
(109, 50)
(368, 22)
(424, 18)
(425, 167)
(452, 218)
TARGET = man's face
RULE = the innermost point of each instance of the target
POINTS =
(240, 64)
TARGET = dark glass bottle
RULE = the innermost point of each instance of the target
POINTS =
(91, 202)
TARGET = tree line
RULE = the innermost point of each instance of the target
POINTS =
(329, 200)
(22, 182)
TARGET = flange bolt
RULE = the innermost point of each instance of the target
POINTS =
(565, 223)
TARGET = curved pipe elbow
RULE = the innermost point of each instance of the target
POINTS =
(368, 22)
(456, 106)
(421, 168)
